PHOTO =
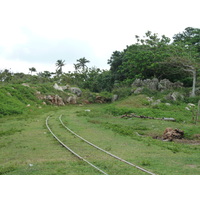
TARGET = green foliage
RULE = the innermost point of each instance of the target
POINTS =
(156, 57)
(15, 98)
(106, 95)
(190, 36)
(122, 92)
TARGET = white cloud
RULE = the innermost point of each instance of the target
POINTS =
(40, 31)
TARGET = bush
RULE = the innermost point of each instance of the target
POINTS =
(122, 92)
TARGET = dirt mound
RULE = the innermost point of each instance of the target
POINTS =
(171, 134)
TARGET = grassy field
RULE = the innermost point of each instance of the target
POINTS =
(27, 147)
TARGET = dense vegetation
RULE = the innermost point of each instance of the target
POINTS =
(150, 56)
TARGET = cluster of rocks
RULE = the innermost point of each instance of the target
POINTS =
(73, 90)
(154, 84)
(54, 99)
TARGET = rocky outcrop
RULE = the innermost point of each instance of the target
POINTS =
(54, 99)
(76, 91)
(174, 96)
(171, 134)
(73, 90)
(61, 88)
(155, 84)
(72, 99)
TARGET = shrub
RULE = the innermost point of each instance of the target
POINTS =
(122, 92)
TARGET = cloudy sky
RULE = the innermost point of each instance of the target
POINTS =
(36, 33)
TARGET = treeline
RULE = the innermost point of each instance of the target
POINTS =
(151, 56)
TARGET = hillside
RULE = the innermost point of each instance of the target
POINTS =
(29, 148)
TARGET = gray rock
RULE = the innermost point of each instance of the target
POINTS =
(53, 99)
(174, 96)
(72, 100)
(61, 88)
(137, 83)
(152, 84)
(138, 90)
(158, 101)
(165, 84)
(155, 84)
(76, 91)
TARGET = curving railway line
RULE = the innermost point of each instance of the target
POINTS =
(93, 145)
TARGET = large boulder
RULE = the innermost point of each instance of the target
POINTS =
(54, 99)
(165, 84)
(72, 99)
(61, 88)
(138, 90)
(174, 96)
(151, 84)
(76, 91)
(137, 83)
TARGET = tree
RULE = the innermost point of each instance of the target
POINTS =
(81, 65)
(181, 64)
(115, 62)
(139, 60)
(59, 65)
(190, 37)
(32, 69)
(5, 75)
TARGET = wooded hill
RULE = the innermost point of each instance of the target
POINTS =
(150, 57)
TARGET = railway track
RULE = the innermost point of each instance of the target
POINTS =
(74, 153)
(93, 145)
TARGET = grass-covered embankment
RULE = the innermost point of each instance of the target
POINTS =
(28, 148)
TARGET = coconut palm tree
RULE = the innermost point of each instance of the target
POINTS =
(59, 64)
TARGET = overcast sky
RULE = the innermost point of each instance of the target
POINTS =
(36, 33)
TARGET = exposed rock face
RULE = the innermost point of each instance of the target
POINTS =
(155, 84)
(55, 99)
(72, 100)
(174, 96)
(152, 84)
(170, 134)
(61, 88)
(76, 91)
(73, 90)
(138, 90)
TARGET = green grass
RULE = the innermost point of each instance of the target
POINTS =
(27, 147)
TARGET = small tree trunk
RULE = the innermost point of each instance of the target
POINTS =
(194, 83)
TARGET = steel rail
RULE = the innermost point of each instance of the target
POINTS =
(114, 156)
(72, 150)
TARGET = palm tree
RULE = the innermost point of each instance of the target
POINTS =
(59, 64)
(81, 64)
